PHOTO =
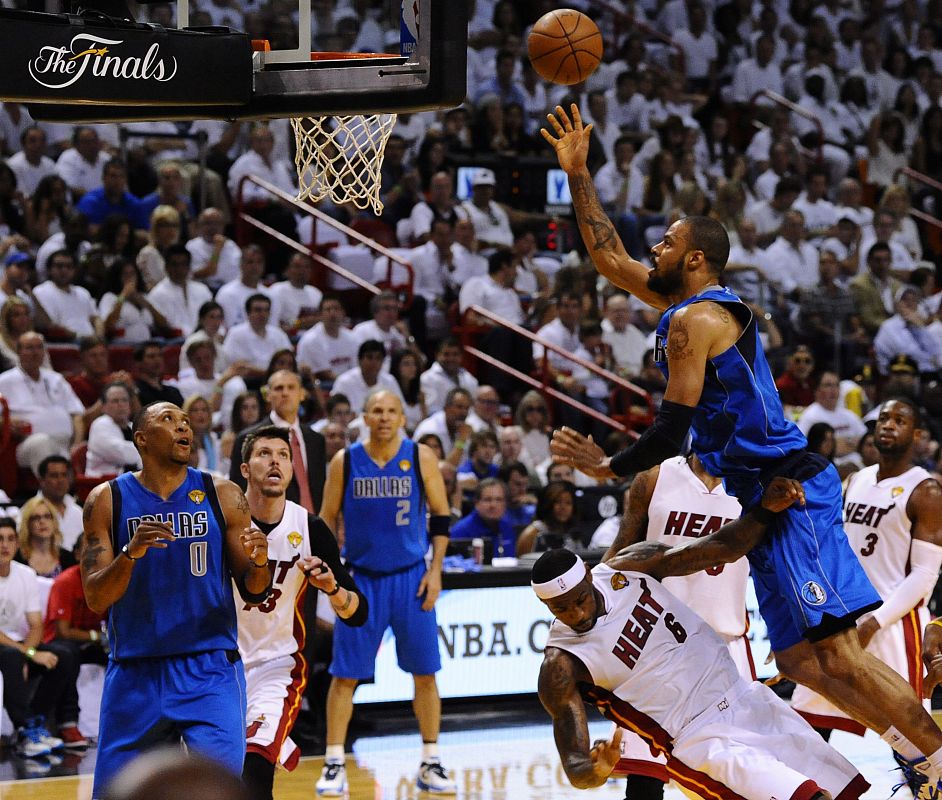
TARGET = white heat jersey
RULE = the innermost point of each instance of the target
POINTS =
(683, 508)
(276, 627)
(877, 525)
(879, 531)
(650, 650)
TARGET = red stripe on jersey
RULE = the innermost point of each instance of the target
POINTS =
(752, 664)
(854, 789)
(626, 716)
(806, 791)
(912, 636)
(699, 783)
(834, 723)
(647, 769)
(295, 691)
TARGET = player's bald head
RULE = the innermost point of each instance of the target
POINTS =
(382, 396)
(149, 413)
(168, 774)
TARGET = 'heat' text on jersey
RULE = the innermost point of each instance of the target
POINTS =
(863, 514)
(634, 636)
(184, 524)
(383, 486)
(686, 523)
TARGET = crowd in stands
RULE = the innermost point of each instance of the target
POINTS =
(102, 252)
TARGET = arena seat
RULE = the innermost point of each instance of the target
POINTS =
(65, 358)
(83, 484)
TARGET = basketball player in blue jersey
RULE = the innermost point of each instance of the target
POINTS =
(382, 488)
(163, 545)
(811, 589)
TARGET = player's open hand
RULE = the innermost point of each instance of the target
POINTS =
(581, 453)
(571, 142)
(318, 574)
(932, 658)
(255, 546)
(150, 533)
(605, 754)
(782, 493)
(431, 587)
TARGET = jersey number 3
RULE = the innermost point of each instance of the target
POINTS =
(871, 540)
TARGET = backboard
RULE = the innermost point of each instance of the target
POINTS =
(196, 71)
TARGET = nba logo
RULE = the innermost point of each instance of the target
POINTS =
(408, 27)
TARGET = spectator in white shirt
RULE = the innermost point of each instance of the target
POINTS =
(792, 261)
(699, 48)
(294, 299)
(440, 204)
(491, 223)
(445, 374)
(111, 449)
(81, 166)
(357, 383)
(620, 185)
(848, 427)
(434, 264)
(43, 407)
(55, 478)
(385, 326)
(176, 297)
(753, 75)
(768, 215)
(885, 223)
(232, 295)
(216, 257)
(626, 341)
(820, 213)
(202, 378)
(746, 269)
(254, 342)
(467, 258)
(329, 348)
(485, 413)
(449, 425)
(68, 307)
(31, 164)
(907, 332)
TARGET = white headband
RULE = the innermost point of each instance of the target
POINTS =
(559, 586)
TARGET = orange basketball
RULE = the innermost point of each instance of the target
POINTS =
(565, 46)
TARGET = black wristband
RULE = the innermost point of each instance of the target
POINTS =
(662, 440)
(762, 515)
(125, 551)
(336, 589)
(438, 524)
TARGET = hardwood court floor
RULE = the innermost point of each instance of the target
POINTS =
(497, 763)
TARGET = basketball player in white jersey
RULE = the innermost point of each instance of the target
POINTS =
(893, 520)
(302, 552)
(623, 642)
(675, 502)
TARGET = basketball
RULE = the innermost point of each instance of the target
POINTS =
(565, 46)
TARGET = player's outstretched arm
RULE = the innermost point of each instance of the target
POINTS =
(634, 522)
(728, 544)
(605, 247)
(246, 545)
(585, 766)
(105, 576)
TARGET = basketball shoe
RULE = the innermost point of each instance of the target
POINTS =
(333, 780)
(434, 778)
(72, 737)
(915, 777)
(34, 741)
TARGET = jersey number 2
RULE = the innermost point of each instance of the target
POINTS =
(402, 512)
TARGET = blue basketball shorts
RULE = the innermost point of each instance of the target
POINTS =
(808, 581)
(150, 702)
(393, 604)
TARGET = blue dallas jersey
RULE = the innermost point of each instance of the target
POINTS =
(179, 599)
(739, 430)
(385, 527)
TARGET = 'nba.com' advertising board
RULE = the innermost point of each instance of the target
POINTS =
(491, 642)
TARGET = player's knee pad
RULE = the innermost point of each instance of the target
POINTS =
(258, 773)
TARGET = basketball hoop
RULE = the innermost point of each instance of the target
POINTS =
(341, 157)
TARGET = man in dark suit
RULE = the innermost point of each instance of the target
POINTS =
(285, 395)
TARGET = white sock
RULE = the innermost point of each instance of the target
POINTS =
(936, 761)
(430, 751)
(901, 744)
(334, 754)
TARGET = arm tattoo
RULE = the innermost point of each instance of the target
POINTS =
(721, 312)
(591, 214)
(243, 505)
(89, 508)
(92, 550)
(678, 341)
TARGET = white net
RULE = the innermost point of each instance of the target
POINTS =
(341, 157)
